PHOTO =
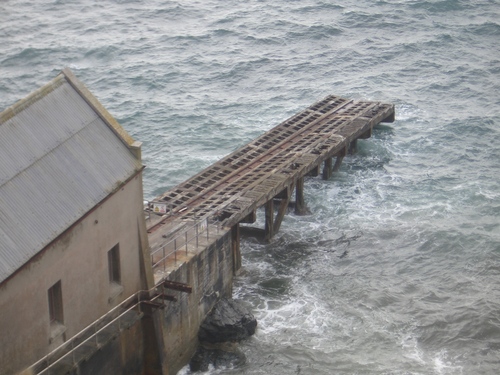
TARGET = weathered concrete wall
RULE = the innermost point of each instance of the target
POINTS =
(171, 334)
(79, 259)
(123, 355)
(133, 350)
(161, 343)
(211, 276)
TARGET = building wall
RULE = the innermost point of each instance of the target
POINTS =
(123, 355)
(210, 274)
(79, 258)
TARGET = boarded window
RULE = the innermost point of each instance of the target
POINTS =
(114, 264)
(55, 304)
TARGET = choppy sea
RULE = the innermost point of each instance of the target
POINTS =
(397, 269)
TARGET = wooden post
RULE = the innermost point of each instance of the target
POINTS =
(300, 205)
(282, 209)
(268, 231)
(327, 169)
(338, 162)
(235, 239)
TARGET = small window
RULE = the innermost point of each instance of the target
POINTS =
(55, 304)
(114, 265)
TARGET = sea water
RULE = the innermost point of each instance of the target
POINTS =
(397, 269)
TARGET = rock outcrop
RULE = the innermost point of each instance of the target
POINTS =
(228, 323)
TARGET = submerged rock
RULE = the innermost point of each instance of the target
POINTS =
(229, 320)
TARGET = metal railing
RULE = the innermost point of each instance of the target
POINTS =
(102, 330)
(95, 335)
(189, 235)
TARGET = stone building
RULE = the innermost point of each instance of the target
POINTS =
(73, 240)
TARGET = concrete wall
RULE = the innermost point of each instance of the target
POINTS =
(211, 276)
(79, 259)
(123, 355)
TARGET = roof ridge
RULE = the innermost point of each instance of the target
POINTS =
(133, 145)
(33, 97)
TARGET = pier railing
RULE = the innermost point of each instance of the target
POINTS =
(189, 236)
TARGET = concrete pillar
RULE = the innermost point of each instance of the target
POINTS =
(235, 238)
(353, 147)
(327, 169)
(338, 162)
(269, 229)
(300, 205)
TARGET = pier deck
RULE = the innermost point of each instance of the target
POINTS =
(270, 167)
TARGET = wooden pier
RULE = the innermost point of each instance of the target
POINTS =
(267, 172)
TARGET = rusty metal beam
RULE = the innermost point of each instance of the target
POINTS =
(174, 285)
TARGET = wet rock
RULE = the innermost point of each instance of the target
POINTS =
(228, 321)
(222, 355)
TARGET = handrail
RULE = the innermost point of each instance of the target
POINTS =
(199, 228)
(93, 325)
(180, 241)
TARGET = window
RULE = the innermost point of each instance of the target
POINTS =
(55, 304)
(114, 264)
(57, 328)
(114, 271)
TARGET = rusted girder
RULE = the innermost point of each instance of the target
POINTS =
(180, 287)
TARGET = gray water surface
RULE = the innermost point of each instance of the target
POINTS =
(396, 271)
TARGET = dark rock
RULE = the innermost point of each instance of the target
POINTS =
(223, 355)
(229, 320)
(228, 323)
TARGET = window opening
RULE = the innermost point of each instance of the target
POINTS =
(55, 304)
(114, 264)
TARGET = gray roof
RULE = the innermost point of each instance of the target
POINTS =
(61, 153)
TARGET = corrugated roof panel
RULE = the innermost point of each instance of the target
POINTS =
(28, 127)
(58, 160)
